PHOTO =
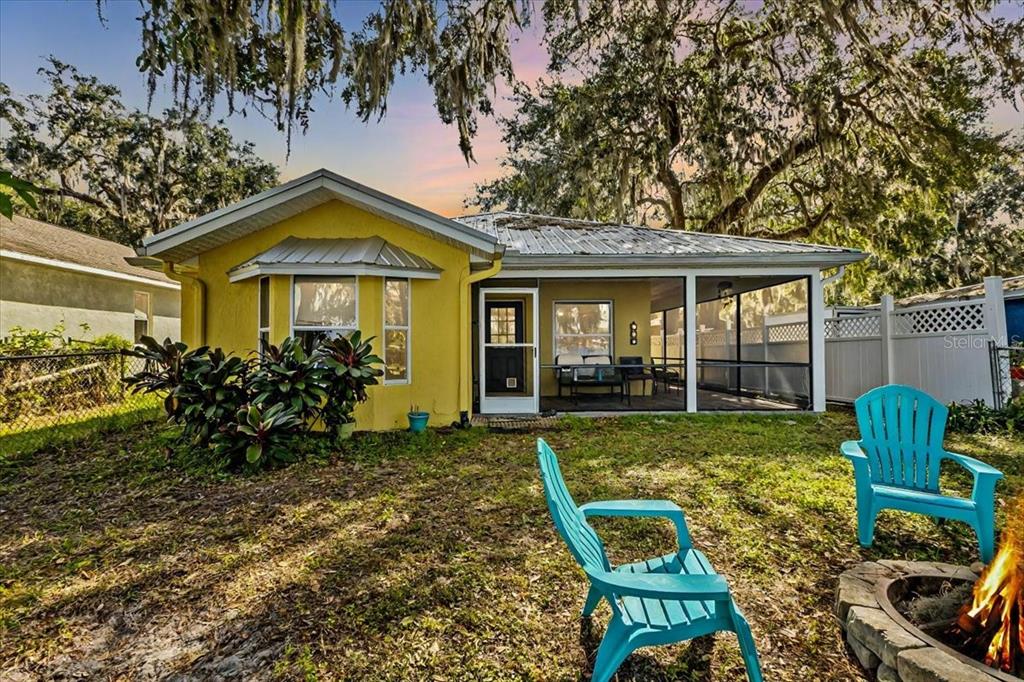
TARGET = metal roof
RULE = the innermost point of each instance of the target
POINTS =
(543, 239)
(366, 256)
(189, 239)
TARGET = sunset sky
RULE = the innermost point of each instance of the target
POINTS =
(410, 154)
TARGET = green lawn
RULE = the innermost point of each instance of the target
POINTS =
(432, 557)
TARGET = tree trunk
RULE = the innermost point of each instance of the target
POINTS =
(677, 214)
(738, 207)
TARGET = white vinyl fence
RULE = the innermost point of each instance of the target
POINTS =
(941, 348)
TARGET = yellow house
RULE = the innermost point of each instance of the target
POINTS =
(507, 313)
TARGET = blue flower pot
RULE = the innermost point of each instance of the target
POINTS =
(418, 421)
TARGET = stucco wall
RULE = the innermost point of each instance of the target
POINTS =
(231, 308)
(631, 302)
(35, 296)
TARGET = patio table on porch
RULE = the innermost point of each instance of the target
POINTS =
(666, 371)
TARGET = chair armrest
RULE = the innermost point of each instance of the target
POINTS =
(851, 450)
(976, 467)
(643, 508)
(668, 586)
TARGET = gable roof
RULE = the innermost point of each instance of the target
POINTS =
(301, 194)
(34, 241)
(365, 256)
(534, 240)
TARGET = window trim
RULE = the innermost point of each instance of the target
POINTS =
(259, 311)
(149, 311)
(307, 328)
(385, 327)
(571, 301)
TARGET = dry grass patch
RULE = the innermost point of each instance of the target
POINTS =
(432, 557)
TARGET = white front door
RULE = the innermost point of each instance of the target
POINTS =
(509, 360)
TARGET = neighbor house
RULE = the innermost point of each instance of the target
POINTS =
(51, 275)
(501, 313)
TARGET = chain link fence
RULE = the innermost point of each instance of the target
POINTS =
(1007, 373)
(40, 392)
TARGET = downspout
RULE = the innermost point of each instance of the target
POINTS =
(825, 281)
(199, 300)
(466, 282)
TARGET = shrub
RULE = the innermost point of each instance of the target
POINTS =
(249, 412)
(288, 376)
(257, 436)
(977, 417)
(351, 368)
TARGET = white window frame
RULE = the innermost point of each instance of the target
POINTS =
(407, 328)
(259, 311)
(149, 311)
(554, 324)
(345, 331)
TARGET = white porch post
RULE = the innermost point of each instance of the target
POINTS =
(886, 307)
(690, 285)
(817, 330)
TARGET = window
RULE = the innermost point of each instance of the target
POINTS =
(503, 321)
(264, 307)
(324, 307)
(396, 331)
(583, 327)
(142, 315)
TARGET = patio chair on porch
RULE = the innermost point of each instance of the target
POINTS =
(641, 374)
(668, 599)
(897, 461)
(566, 371)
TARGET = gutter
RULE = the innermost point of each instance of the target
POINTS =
(198, 301)
(466, 282)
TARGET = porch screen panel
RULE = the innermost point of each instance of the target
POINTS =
(657, 337)
(675, 331)
(774, 329)
(583, 327)
(716, 340)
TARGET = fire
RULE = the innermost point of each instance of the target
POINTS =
(992, 622)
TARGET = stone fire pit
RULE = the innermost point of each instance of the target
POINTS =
(897, 651)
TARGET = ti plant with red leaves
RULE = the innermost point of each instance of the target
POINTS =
(352, 367)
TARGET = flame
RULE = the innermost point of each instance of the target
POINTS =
(998, 601)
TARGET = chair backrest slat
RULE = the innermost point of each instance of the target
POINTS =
(584, 544)
(902, 430)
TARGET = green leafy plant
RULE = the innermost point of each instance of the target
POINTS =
(258, 436)
(164, 372)
(249, 412)
(352, 367)
(213, 390)
(289, 376)
(977, 417)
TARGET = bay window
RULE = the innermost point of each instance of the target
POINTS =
(324, 307)
(396, 331)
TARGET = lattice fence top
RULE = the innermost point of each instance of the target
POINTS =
(939, 320)
(715, 337)
(859, 327)
(792, 331)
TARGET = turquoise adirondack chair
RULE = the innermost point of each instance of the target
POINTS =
(663, 600)
(896, 464)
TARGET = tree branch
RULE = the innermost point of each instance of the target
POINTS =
(738, 207)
